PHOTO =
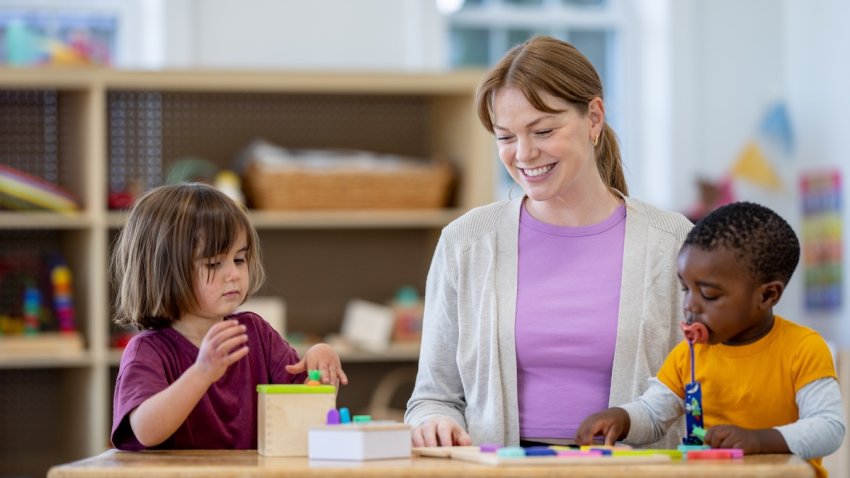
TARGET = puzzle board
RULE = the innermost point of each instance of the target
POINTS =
(474, 455)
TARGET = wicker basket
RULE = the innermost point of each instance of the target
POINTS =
(421, 186)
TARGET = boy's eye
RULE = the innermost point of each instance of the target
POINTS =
(709, 296)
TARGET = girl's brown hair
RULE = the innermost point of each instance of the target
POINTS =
(553, 66)
(154, 257)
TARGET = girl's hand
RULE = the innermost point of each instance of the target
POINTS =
(324, 358)
(440, 431)
(223, 345)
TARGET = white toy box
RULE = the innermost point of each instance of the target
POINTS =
(285, 414)
(360, 441)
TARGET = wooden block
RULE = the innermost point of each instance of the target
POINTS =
(285, 414)
(50, 344)
(378, 440)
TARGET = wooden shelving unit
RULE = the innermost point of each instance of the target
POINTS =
(95, 129)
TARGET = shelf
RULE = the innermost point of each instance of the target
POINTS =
(360, 219)
(45, 350)
(96, 131)
(44, 220)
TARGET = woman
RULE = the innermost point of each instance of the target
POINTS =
(543, 309)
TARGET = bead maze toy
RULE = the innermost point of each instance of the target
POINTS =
(694, 333)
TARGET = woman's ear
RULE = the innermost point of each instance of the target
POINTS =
(770, 293)
(596, 115)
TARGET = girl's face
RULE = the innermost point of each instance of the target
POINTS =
(722, 294)
(550, 155)
(221, 282)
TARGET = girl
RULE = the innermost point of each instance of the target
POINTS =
(187, 258)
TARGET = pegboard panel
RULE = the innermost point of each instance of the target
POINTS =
(149, 131)
(29, 415)
(25, 256)
(38, 134)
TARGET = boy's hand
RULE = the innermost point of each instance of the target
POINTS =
(751, 441)
(324, 358)
(440, 431)
(223, 345)
(613, 424)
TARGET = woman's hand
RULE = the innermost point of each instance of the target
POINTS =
(613, 424)
(324, 358)
(440, 431)
(222, 346)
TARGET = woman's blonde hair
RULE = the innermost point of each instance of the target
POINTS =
(153, 263)
(546, 64)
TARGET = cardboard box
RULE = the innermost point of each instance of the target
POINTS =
(285, 414)
(360, 441)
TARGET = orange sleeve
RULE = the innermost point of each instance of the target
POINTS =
(675, 369)
(812, 361)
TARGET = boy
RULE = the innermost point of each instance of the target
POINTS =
(768, 385)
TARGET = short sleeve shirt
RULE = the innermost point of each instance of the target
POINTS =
(226, 416)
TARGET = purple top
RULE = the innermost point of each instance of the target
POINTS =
(226, 416)
(568, 301)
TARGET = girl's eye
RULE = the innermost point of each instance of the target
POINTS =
(503, 138)
(213, 264)
(240, 260)
(543, 132)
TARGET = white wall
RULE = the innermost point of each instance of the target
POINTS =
(376, 35)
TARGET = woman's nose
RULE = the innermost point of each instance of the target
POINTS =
(525, 150)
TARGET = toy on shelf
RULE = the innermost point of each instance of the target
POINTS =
(31, 308)
(694, 333)
(63, 303)
(285, 413)
(359, 438)
(22, 191)
(408, 310)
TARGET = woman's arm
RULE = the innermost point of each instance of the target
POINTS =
(438, 391)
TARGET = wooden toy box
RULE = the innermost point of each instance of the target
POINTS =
(285, 414)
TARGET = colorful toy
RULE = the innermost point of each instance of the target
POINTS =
(31, 309)
(716, 454)
(314, 377)
(694, 333)
(548, 455)
(63, 303)
(362, 439)
(22, 191)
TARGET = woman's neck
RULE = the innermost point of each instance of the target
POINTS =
(576, 212)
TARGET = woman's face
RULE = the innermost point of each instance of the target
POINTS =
(550, 155)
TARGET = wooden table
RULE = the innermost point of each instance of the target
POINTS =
(247, 463)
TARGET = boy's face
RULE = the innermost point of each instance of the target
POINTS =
(722, 294)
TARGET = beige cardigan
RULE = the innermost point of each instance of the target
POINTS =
(467, 364)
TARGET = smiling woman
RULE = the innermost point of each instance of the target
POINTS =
(565, 295)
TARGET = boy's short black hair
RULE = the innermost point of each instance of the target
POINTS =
(760, 238)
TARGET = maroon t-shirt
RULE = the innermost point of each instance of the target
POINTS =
(226, 416)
